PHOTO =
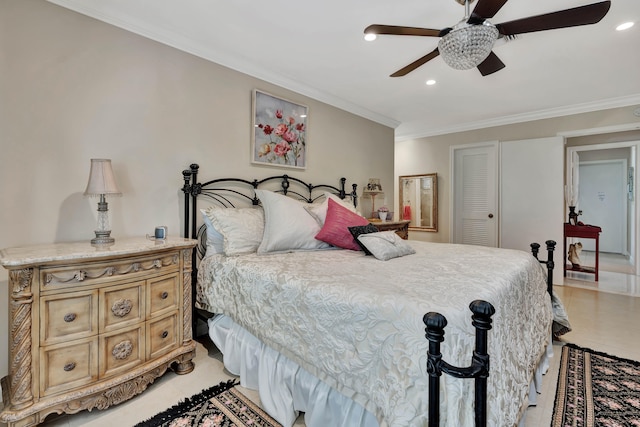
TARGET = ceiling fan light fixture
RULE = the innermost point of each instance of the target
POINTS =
(466, 46)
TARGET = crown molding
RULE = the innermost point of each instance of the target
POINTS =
(232, 61)
(567, 110)
(245, 66)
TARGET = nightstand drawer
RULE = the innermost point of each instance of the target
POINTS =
(98, 273)
(163, 295)
(68, 317)
(67, 366)
(122, 306)
(121, 351)
(162, 335)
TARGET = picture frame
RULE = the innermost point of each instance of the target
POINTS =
(279, 131)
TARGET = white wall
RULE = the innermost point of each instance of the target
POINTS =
(73, 88)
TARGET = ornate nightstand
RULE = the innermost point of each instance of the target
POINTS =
(400, 227)
(91, 328)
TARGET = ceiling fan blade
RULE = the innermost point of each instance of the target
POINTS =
(415, 64)
(583, 15)
(401, 31)
(490, 65)
(487, 8)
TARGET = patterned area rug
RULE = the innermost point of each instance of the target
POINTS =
(219, 406)
(596, 389)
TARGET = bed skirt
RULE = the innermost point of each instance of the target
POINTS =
(286, 389)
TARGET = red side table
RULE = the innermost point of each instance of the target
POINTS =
(585, 232)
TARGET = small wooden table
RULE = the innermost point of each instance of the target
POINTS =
(585, 232)
(400, 227)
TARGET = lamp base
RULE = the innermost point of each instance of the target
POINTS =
(103, 238)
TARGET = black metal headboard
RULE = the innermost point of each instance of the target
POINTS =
(236, 192)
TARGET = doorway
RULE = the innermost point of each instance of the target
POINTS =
(606, 197)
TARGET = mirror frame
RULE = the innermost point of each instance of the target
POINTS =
(433, 201)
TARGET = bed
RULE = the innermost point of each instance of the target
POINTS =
(340, 335)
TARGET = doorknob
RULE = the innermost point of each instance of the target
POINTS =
(490, 215)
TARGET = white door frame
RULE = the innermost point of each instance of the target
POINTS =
(635, 155)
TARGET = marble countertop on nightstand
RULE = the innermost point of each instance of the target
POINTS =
(56, 252)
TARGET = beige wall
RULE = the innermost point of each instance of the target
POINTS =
(431, 154)
(73, 88)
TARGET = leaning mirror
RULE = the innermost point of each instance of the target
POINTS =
(419, 201)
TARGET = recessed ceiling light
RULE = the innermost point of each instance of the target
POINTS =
(624, 26)
(370, 37)
(431, 82)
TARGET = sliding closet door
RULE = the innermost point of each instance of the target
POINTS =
(532, 193)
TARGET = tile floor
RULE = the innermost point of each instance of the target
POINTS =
(604, 321)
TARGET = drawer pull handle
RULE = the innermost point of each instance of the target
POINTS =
(164, 295)
(121, 307)
(69, 366)
(122, 350)
(69, 317)
(165, 334)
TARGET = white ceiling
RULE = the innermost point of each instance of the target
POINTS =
(316, 48)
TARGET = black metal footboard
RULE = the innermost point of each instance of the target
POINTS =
(479, 368)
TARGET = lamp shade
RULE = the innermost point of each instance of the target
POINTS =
(373, 186)
(101, 179)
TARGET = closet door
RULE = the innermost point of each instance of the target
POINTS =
(475, 203)
(532, 193)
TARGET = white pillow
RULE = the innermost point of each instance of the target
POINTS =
(386, 245)
(215, 240)
(287, 226)
(319, 210)
(241, 228)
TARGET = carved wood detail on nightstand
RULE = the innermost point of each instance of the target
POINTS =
(20, 281)
(187, 302)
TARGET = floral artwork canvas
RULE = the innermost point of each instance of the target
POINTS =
(279, 132)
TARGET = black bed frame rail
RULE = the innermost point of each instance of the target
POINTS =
(551, 246)
(479, 368)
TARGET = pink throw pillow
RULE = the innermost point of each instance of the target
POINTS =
(335, 230)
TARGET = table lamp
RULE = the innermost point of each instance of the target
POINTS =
(373, 188)
(102, 182)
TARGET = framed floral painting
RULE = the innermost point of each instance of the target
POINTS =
(279, 134)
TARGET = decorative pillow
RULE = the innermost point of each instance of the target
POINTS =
(319, 210)
(336, 226)
(363, 229)
(287, 226)
(385, 245)
(215, 240)
(241, 228)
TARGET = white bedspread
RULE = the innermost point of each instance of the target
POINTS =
(356, 322)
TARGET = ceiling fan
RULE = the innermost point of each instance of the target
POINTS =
(470, 42)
